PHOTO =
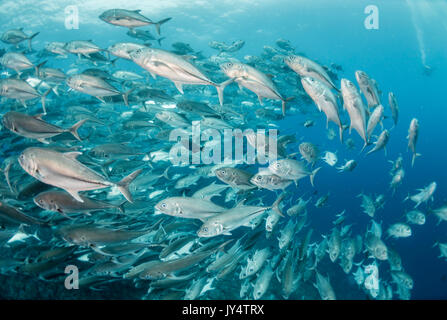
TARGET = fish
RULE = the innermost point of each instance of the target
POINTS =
(399, 230)
(96, 87)
(324, 287)
(241, 215)
(348, 166)
(130, 19)
(325, 101)
(374, 119)
(330, 158)
(88, 235)
(309, 152)
(15, 36)
(18, 62)
(62, 170)
(381, 142)
(413, 134)
(34, 127)
(424, 194)
(255, 81)
(305, 67)
(236, 178)
(192, 208)
(392, 101)
(266, 180)
(175, 68)
(81, 47)
(62, 202)
(22, 91)
(368, 88)
(356, 109)
(292, 169)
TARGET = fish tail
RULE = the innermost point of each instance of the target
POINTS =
(31, 38)
(120, 207)
(123, 185)
(283, 105)
(126, 96)
(312, 175)
(159, 40)
(220, 89)
(44, 96)
(275, 206)
(341, 133)
(74, 129)
(159, 23)
(37, 68)
(415, 155)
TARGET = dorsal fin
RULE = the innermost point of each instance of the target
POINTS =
(137, 11)
(39, 116)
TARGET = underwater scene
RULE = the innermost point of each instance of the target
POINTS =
(214, 150)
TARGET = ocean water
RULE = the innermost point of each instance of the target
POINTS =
(404, 54)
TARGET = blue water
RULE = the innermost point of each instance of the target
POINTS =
(411, 34)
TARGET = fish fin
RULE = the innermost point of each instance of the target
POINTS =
(123, 185)
(260, 100)
(159, 40)
(220, 89)
(37, 68)
(415, 155)
(179, 86)
(159, 23)
(72, 154)
(341, 134)
(275, 206)
(100, 99)
(75, 195)
(74, 129)
(120, 207)
(126, 96)
(44, 96)
(31, 38)
(42, 140)
(283, 105)
(312, 176)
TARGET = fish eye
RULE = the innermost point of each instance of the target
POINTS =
(223, 172)
(205, 229)
(259, 177)
(163, 205)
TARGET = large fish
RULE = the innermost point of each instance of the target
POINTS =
(412, 137)
(255, 81)
(129, 19)
(96, 87)
(15, 36)
(189, 207)
(175, 68)
(394, 107)
(34, 127)
(381, 142)
(292, 169)
(374, 119)
(324, 99)
(21, 90)
(62, 170)
(308, 68)
(354, 105)
(368, 88)
(234, 218)
(18, 62)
